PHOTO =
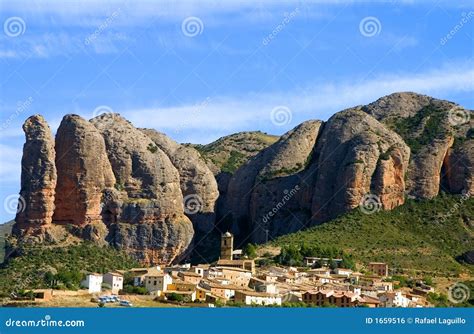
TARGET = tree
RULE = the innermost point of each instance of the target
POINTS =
(347, 262)
(175, 297)
(290, 255)
(250, 250)
(332, 264)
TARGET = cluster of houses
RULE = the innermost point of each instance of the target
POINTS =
(236, 279)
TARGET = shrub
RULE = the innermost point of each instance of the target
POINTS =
(152, 148)
(175, 297)
(250, 250)
(135, 290)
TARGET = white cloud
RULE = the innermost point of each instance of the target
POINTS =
(213, 117)
(61, 44)
(319, 101)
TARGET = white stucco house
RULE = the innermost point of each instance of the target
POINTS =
(115, 280)
(93, 282)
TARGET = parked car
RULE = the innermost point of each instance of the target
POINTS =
(108, 299)
(114, 298)
(125, 303)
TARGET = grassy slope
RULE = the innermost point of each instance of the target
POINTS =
(84, 257)
(5, 229)
(230, 152)
(411, 236)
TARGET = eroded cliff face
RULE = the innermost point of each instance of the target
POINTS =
(84, 172)
(197, 182)
(440, 136)
(404, 144)
(38, 181)
(114, 186)
(145, 211)
(357, 156)
(140, 191)
(266, 180)
(458, 168)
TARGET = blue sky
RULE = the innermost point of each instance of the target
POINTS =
(198, 70)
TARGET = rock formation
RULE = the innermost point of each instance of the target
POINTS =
(146, 212)
(38, 180)
(84, 172)
(198, 185)
(140, 191)
(430, 127)
(258, 186)
(357, 155)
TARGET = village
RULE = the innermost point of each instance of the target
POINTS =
(236, 281)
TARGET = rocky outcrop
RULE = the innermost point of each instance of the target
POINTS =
(457, 174)
(198, 185)
(357, 155)
(140, 191)
(430, 127)
(84, 172)
(228, 153)
(160, 241)
(145, 211)
(266, 180)
(38, 180)
(458, 168)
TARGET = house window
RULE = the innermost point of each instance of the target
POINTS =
(154, 283)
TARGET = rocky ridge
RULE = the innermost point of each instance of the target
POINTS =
(128, 187)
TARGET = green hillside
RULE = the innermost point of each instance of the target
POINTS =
(228, 153)
(41, 267)
(420, 235)
(5, 229)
